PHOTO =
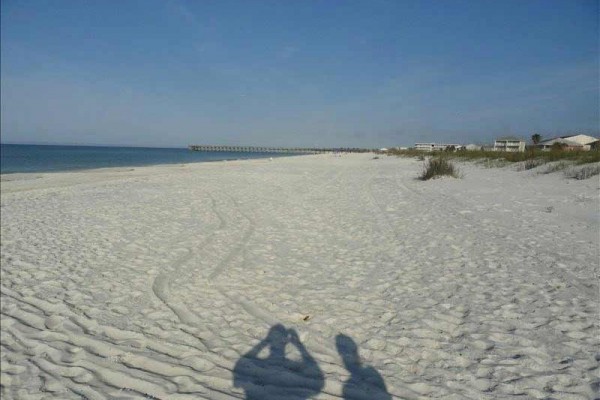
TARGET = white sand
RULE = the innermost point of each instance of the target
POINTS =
(156, 281)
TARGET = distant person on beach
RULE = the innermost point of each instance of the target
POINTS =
(363, 380)
(276, 375)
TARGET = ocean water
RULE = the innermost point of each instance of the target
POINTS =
(37, 158)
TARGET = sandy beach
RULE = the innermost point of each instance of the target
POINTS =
(316, 276)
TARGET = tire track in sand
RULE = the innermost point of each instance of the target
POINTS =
(251, 308)
(162, 283)
(188, 317)
(323, 352)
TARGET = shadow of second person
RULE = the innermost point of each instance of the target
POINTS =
(275, 376)
(364, 382)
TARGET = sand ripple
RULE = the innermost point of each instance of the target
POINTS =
(155, 283)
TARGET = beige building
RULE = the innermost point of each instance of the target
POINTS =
(583, 140)
(509, 143)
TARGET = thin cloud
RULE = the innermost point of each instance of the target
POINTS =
(288, 52)
(180, 10)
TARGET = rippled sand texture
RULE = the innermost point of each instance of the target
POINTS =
(155, 282)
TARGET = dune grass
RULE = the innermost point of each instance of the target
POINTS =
(541, 157)
(585, 172)
(436, 167)
(532, 163)
(557, 166)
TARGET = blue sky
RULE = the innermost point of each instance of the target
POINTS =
(296, 73)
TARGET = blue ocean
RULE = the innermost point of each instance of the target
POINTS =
(37, 158)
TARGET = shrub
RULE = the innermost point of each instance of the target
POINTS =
(491, 163)
(559, 166)
(533, 163)
(558, 146)
(436, 167)
(589, 157)
(584, 173)
(578, 157)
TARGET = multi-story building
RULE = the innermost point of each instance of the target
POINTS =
(509, 143)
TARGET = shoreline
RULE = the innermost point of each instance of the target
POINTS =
(113, 157)
(92, 169)
(21, 176)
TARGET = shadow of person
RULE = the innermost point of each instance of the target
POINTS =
(364, 382)
(277, 376)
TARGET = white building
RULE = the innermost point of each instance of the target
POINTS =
(573, 142)
(583, 140)
(509, 143)
(566, 144)
(436, 146)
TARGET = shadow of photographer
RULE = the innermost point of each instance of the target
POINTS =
(364, 381)
(277, 376)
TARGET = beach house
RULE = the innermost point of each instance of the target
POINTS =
(565, 144)
(583, 140)
(572, 143)
(509, 143)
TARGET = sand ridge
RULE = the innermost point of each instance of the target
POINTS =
(158, 282)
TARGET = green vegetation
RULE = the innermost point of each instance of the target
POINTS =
(577, 157)
(439, 164)
(436, 167)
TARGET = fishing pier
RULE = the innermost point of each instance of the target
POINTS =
(290, 150)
